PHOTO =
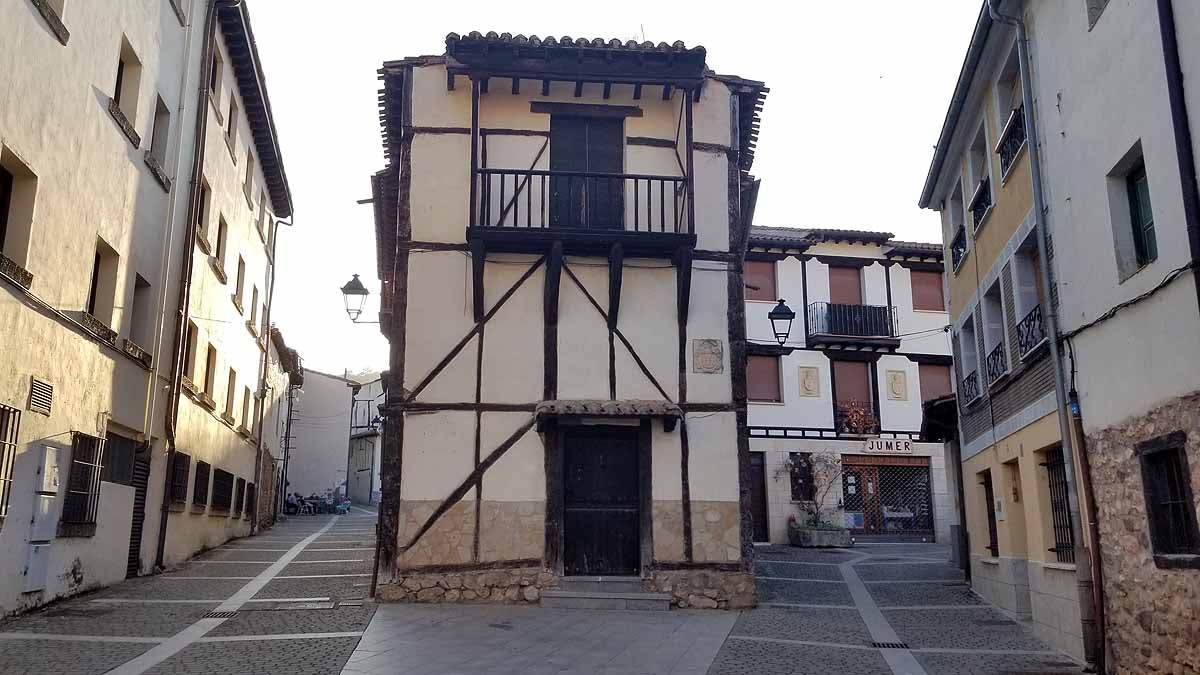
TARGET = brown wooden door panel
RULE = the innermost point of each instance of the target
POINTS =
(845, 285)
(758, 497)
(601, 506)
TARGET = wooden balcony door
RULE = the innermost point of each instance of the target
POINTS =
(845, 285)
(590, 145)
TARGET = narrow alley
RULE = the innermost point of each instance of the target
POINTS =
(291, 600)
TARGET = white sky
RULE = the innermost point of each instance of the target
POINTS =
(858, 93)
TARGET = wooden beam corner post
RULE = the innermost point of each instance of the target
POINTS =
(478, 258)
(554, 265)
(683, 295)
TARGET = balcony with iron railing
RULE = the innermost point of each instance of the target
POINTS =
(1031, 333)
(834, 323)
(958, 247)
(1012, 140)
(587, 210)
(970, 388)
(981, 202)
(996, 363)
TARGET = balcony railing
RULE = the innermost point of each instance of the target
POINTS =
(1012, 139)
(981, 203)
(970, 387)
(868, 321)
(1030, 331)
(996, 363)
(582, 200)
(958, 247)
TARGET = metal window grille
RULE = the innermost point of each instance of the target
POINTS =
(200, 487)
(180, 466)
(10, 422)
(1060, 512)
(1170, 508)
(239, 496)
(83, 482)
(222, 490)
(989, 495)
(251, 495)
(802, 477)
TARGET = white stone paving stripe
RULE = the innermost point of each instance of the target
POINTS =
(802, 605)
(318, 562)
(140, 601)
(794, 562)
(359, 508)
(1000, 652)
(176, 577)
(947, 582)
(257, 550)
(806, 643)
(359, 549)
(78, 638)
(281, 636)
(901, 661)
(180, 641)
(807, 581)
(322, 576)
(921, 607)
(230, 562)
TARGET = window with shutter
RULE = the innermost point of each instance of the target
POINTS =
(762, 379)
(759, 276)
(935, 380)
(927, 291)
(845, 285)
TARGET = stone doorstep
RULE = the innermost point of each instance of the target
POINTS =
(603, 584)
(605, 600)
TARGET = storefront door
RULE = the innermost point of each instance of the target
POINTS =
(887, 495)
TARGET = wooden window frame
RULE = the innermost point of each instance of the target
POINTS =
(773, 295)
(1145, 243)
(1171, 447)
(779, 377)
(200, 487)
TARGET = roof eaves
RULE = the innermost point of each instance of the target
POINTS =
(958, 100)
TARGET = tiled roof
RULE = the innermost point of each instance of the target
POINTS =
(566, 41)
(918, 248)
(795, 237)
(607, 408)
(252, 85)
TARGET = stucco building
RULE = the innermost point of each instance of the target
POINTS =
(867, 348)
(365, 458)
(101, 183)
(561, 229)
(317, 459)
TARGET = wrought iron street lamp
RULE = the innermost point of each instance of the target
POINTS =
(781, 321)
(355, 296)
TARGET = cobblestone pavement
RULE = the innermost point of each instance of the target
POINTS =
(823, 612)
(297, 593)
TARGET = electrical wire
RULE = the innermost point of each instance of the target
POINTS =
(1171, 276)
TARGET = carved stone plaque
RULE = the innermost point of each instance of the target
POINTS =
(810, 381)
(708, 356)
(897, 385)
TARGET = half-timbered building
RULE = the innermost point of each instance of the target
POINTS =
(561, 227)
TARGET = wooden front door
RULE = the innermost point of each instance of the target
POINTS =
(588, 145)
(601, 514)
(758, 497)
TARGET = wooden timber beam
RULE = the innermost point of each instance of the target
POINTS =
(616, 266)
(554, 266)
(478, 258)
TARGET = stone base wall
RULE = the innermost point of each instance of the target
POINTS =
(1150, 612)
(510, 586)
(705, 589)
(716, 531)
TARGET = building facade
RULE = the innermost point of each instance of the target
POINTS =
(1123, 211)
(95, 205)
(867, 348)
(1018, 497)
(561, 230)
(365, 459)
(320, 429)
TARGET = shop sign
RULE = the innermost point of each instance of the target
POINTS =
(888, 446)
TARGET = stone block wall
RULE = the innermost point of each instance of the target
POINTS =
(503, 586)
(1151, 613)
(716, 531)
(705, 589)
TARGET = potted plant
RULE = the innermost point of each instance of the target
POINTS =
(816, 477)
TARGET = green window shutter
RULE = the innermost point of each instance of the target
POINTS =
(1144, 241)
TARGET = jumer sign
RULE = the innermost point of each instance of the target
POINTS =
(888, 446)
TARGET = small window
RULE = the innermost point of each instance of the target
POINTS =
(18, 190)
(119, 453)
(934, 380)
(762, 379)
(1170, 505)
(262, 212)
(83, 480)
(959, 244)
(968, 352)
(254, 307)
(246, 398)
(854, 397)
(251, 496)
(222, 240)
(981, 183)
(989, 496)
(263, 328)
(1142, 216)
(181, 465)
(222, 490)
(239, 496)
(1060, 508)
(10, 425)
(210, 371)
(1028, 296)
(759, 277)
(230, 392)
(215, 72)
(129, 74)
(927, 291)
(803, 489)
(240, 288)
(189, 354)
(200, 487)
(103, 288)
(160, 133)
(995, 351)
(231, 122)
(141, 321)
(202, 213)
(248, 184)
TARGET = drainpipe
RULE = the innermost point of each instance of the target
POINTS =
(1093, 651)
(1183, 134)
(262, 375)
(185, 275)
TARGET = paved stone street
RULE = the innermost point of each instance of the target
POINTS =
(885, 608)
(295, 592)
(297, 596)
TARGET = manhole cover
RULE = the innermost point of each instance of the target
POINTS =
(890, 645)
(218, 615)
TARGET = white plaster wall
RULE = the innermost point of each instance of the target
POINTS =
(1093, 107)
(322, 430)
(439, 451)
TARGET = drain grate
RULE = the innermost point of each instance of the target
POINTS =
(890, 645)
(219, 615)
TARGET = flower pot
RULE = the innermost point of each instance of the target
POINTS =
(819, 537)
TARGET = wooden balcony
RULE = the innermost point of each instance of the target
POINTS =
(526, 210)
(855, 326)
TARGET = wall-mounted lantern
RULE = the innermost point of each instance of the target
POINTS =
(781, 321)
(355, 296)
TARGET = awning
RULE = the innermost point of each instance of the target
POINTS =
(626, 409)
